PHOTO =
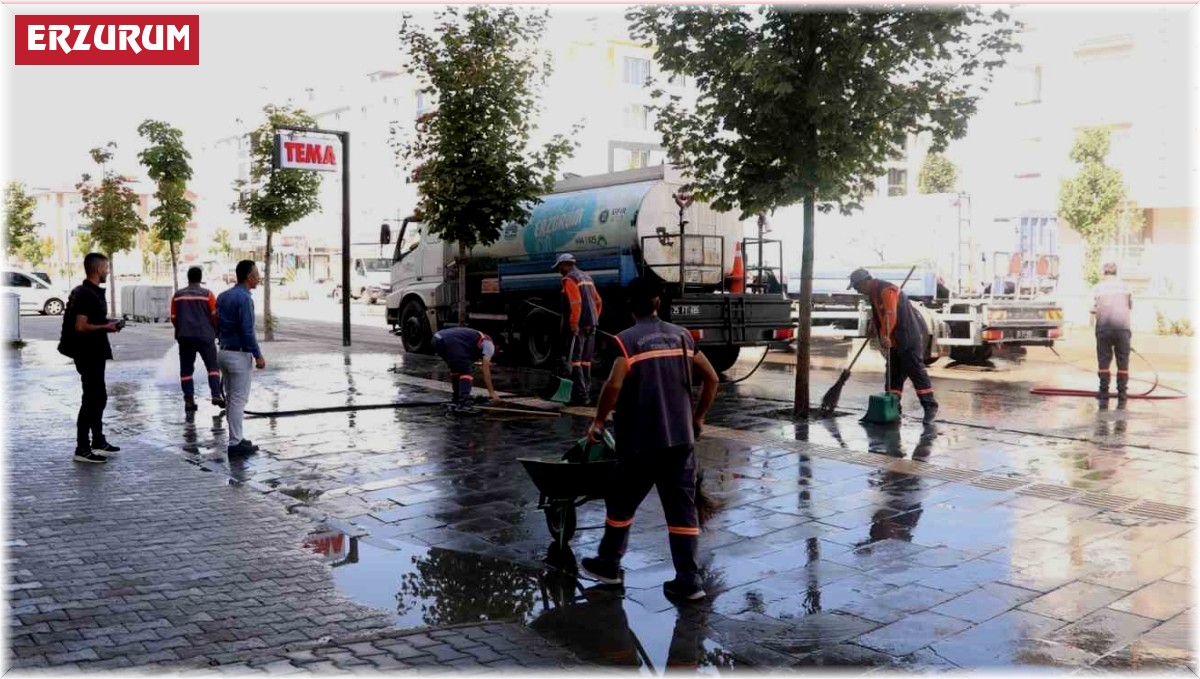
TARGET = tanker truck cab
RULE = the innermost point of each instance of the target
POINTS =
(618, 226)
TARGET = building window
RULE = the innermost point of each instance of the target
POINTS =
(639, 159)
(636, 72)
(897, 183)
(678, 80)
(1031, 88)
(637, 117)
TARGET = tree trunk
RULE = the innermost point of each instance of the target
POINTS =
(112, 287)
(174, 267)
(804, 331)
(268, 330)
(462, 284)
(1093, 249)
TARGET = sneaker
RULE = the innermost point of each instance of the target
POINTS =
(602, 571)
(82, 455)
(240, 449)
(105, 447)
(684, 591)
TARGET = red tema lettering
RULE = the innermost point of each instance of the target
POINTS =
(315, 154)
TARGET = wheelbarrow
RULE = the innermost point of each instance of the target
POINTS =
(585, 473)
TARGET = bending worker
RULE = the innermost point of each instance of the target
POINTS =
(194, 315)
(581, 314)
(656, 430)
(1113, 302)
(901, 334)
(460, 348)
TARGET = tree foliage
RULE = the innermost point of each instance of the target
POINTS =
(272, 199)
(111, 210)
(471, 156)
(938, 174)
(802, 105)
(221, 245)
(167, 162)
(37, 251)
(20, 227)
(1093, 201)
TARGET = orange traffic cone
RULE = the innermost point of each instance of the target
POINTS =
(738, 285)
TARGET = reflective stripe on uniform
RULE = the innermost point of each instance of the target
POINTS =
(660, 353)
(683, 530)
(615, 523)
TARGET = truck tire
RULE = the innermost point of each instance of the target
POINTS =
(721, 358)
(539, 337)
(414, 328)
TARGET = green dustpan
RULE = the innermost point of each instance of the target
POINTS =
(560, 392)
(882, 409)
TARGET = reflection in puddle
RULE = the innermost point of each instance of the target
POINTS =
(433, 587)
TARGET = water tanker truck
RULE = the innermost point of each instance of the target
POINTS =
(618, 226)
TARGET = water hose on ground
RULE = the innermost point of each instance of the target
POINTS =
(1147, 395)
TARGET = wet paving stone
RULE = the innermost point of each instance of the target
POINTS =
(1160, 601)
(912, 633)
(1102, 632)
(998, 641)
(1073, 601)
(987, 602)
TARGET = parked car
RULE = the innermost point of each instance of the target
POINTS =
(44, 275)
(35, 293)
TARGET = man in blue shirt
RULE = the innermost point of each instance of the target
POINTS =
(239, 351)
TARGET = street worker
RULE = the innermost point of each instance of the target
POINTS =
(460, 348)
(239, 351)
(84, 338)
(1113, 301)
(581, 304)
(902, 335)
(194, 315)
(656, 429)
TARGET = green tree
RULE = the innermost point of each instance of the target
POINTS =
(809, 106)
(166, 161)
(154, 248)
(1093, 201)
(37, 251)
(222, 246)
(20, 228)
(471, 157)
(111, 209)
(273, 199)
(938, 174)
(82, 244)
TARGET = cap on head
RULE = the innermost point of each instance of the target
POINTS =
(563, 258)
(1110, 269)
(858, 276)
(195, 274)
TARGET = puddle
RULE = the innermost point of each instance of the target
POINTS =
(433, 587)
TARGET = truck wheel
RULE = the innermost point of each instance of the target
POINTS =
(721, 358)
(971, 355)
(414, 328)
(539, 335)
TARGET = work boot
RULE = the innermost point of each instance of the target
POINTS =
(604, 572)
(1102, 392)
(219, 401)
(1122, 396)
(931, 411)
(189, 404)
(682, 590)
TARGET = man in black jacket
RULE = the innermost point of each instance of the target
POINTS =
(85, 339)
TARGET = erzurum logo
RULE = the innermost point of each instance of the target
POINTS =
(107, 40)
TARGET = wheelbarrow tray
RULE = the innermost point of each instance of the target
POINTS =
(558, 480)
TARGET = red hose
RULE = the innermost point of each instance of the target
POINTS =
(1147, 395)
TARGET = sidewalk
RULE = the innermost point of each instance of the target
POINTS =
(835, 545)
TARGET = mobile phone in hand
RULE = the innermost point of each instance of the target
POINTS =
(121, 324)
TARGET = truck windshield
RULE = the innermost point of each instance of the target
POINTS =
(377, 264)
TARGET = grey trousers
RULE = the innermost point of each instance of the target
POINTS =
(237, 367)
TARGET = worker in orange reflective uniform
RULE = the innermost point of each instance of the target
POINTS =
(902, 334)
(581, 314)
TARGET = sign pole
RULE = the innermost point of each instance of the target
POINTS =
(345, 137)
(314, 165)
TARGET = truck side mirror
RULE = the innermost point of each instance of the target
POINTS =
(385, 234)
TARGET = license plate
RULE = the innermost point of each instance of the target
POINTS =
(1025, 334)
(685, 310)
